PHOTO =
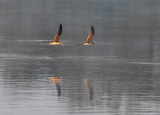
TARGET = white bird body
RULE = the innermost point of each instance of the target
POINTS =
(56, 43)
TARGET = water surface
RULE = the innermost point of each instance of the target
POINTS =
(122, 69)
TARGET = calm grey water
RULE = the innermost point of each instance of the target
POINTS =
(122, 69)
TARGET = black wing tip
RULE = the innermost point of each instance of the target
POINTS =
(92, 29)
(60, 29)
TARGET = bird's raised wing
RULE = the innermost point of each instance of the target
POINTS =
(90, 36)
(56, 39)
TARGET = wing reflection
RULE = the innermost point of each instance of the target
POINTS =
(57, 81)
(89, 88)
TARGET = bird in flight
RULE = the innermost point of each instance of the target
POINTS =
(90, 37)
(56, 38)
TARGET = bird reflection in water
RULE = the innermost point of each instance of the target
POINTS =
(89, 88)
(57, 81)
